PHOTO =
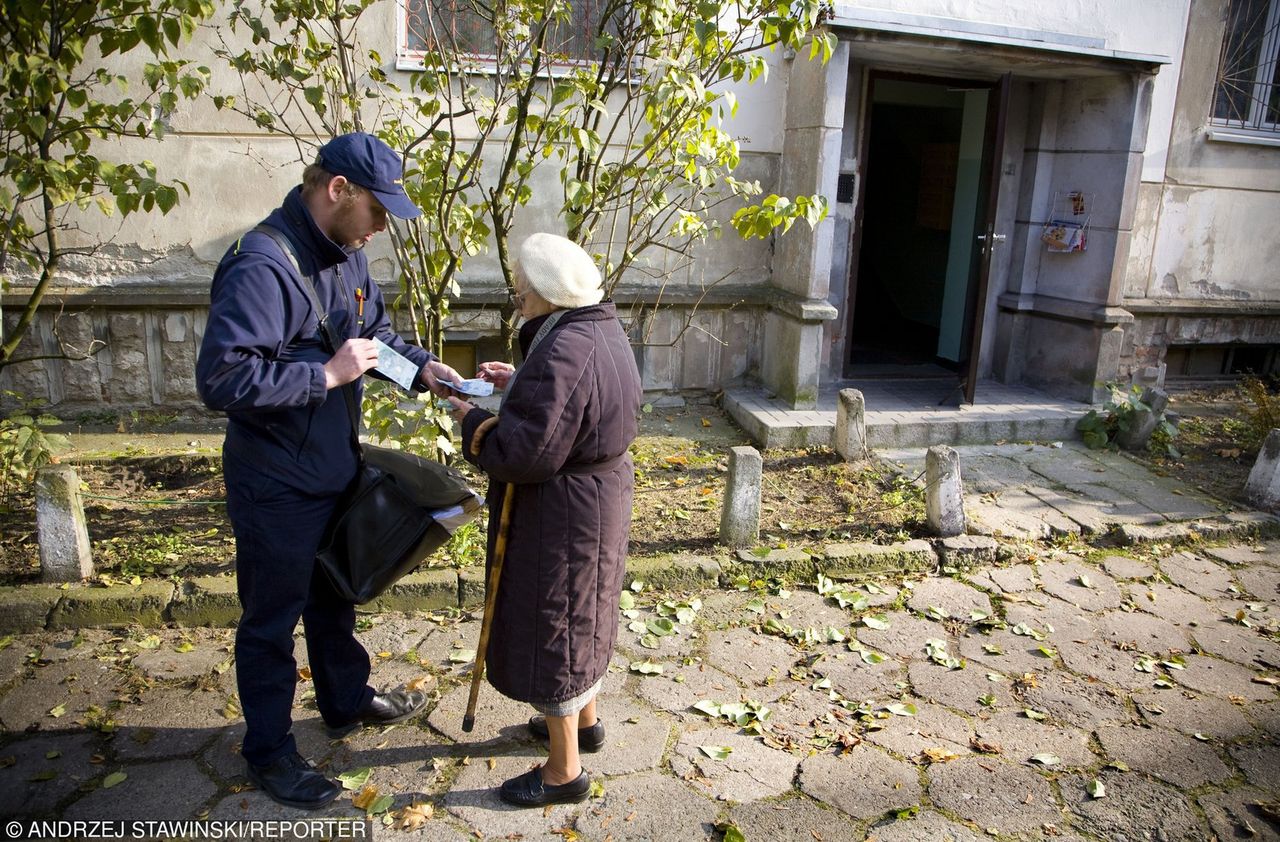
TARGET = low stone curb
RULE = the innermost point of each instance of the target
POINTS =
(212, 600)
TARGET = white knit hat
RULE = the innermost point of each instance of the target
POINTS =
(559, 271)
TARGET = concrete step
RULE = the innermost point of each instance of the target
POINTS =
(1002, 414)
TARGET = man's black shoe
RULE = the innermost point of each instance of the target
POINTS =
(590, 740)
(294, 782)
(528, 790)
(384, 709)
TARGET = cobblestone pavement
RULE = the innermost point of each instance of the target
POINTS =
(1122, 697)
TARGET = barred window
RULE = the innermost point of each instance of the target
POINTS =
(1248, 87)
(465, 23)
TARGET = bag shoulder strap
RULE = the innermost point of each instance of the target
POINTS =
(326, 329)
(543, 330)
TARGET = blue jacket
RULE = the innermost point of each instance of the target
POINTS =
(261, 359)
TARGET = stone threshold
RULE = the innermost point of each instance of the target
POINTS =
(212, 600)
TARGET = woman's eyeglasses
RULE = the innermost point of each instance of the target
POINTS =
(516, 298)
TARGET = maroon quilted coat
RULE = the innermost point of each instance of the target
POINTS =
(561, 437)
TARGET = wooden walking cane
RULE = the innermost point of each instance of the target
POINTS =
(490, 600)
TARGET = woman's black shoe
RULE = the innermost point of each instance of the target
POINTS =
(294, 782)
(528, 790)
(590, 740)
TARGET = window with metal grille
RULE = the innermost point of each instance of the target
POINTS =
(1248, 89)
(442, 24)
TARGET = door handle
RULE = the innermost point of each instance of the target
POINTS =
(995, 238)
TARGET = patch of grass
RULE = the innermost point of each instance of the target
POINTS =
(466, 548)
(163, 554)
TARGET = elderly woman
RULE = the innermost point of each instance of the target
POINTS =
(568, 416)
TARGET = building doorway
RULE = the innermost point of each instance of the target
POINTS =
(918, 260)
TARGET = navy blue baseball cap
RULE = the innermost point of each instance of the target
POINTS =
(365, 160)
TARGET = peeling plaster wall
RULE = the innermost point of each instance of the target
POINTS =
(1205, 262)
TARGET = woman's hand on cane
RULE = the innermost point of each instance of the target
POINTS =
(460, 408)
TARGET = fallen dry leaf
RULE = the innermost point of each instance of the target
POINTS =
(419, 683)
(1270, 681)
(415, 816)
(938, 755)
(304, 673)
(985, 747)
(365, 797)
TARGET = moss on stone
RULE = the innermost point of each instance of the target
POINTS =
(425, 590)
(113, 607)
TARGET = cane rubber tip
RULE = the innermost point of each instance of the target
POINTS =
(468, 722)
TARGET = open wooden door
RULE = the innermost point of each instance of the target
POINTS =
(988, 238)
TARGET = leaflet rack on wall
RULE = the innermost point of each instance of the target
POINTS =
(1068, 227)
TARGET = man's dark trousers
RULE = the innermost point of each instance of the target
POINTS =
(278, 529)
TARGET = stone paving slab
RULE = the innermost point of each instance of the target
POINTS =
(1262, 582)
(1005, 652)
(1193, 714)
(1080, 584)
(998, 796)
(857, 679)
(742, 652)
(1260, 763)
(751, 770)
(1170, 602)
(1016, 513)
(933, 726)
(57, 697)
(170, 665)
(1077, 700)
(1051, 616)
(1124, 567)
(1222, 678)
(961, 690)
(168, 722)
(1021, 738)
(905, 636)
(1175, 758)
(1017, 579)
(1234, 814)
(1135, 807)
(864, 782)
(39, 772)
(1197, 574)
(950, 597)
(678, 688)
(1233, 642)
(905, 748)
(924, 825)
(1143, 632)
(173, 788)
(1104, 662)
(793, 820)
(650, 807)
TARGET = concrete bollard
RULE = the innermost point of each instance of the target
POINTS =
(1144, 421)
(740, 515)
(851, 425)
(1263, 486)
(944, 493)
(60, 524)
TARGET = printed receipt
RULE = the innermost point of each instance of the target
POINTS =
(395, 366)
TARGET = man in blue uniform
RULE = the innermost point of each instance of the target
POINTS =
(289, 449)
